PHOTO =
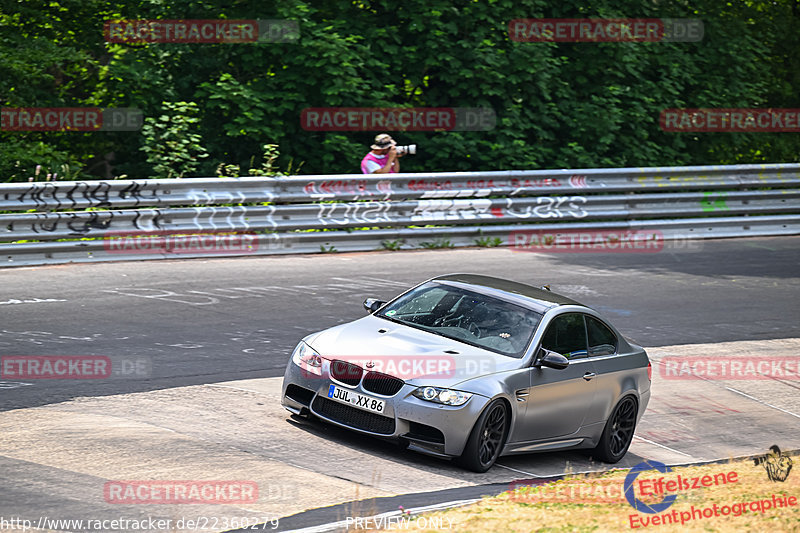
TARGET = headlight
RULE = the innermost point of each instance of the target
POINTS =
(444, 396)
(306, 358)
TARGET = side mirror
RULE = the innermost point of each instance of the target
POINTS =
(551, 360)
(372, 304)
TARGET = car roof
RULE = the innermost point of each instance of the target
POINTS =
(540, 299)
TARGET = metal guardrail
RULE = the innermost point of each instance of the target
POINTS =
(281, 214)
(55, 196)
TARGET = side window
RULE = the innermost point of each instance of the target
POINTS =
(602, 340)
(566, 335)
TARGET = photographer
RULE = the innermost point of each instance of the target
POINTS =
(383, 158)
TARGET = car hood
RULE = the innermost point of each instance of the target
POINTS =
(415, 356)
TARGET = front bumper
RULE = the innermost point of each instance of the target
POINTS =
(428, 427)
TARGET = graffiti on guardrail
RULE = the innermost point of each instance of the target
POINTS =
(431, 188)
(49, 226)
(334, 187)
(519, 187)
(551, 207)
(545, 207)
(345, 213)
(47, 195)
(44, 194)
(76, 223)
(432, 185)
(444, 210)
(134, 191)
(106, 194)
(45, 222)
(39, 225)
(485, 186)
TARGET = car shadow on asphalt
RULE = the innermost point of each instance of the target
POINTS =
(507, 469)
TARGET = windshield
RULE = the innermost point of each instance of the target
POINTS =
(466, 316)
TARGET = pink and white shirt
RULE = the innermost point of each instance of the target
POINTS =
(372, 162)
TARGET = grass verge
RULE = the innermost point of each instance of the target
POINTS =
(734, 496)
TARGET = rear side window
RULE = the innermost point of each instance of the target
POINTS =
(602, 340)
(566, 335)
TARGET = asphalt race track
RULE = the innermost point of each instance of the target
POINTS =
(199, 347)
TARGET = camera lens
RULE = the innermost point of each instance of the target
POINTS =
(410, 149)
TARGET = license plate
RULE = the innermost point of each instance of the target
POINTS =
(355, 399)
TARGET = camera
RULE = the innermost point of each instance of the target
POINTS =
(410, 149)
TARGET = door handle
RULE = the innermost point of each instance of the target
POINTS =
(589, 375)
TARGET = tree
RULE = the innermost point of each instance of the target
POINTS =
(558, 105)
(172, 147)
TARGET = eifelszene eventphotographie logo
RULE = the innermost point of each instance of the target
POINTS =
(630, 495)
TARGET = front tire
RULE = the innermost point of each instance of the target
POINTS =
(618, 433)
(486, 439)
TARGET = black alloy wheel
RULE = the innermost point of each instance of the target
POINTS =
(618, 433)
(487, 438)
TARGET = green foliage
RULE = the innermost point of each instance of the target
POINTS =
(268, 168)
(558, 105)
(489, 242)
(228, 171)
(35, 161)
(392, 245)
(437, 243)
(170, 143)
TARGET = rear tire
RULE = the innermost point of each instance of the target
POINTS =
(486, 440)
(618, 433)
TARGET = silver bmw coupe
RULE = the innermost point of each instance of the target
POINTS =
(473, 367)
